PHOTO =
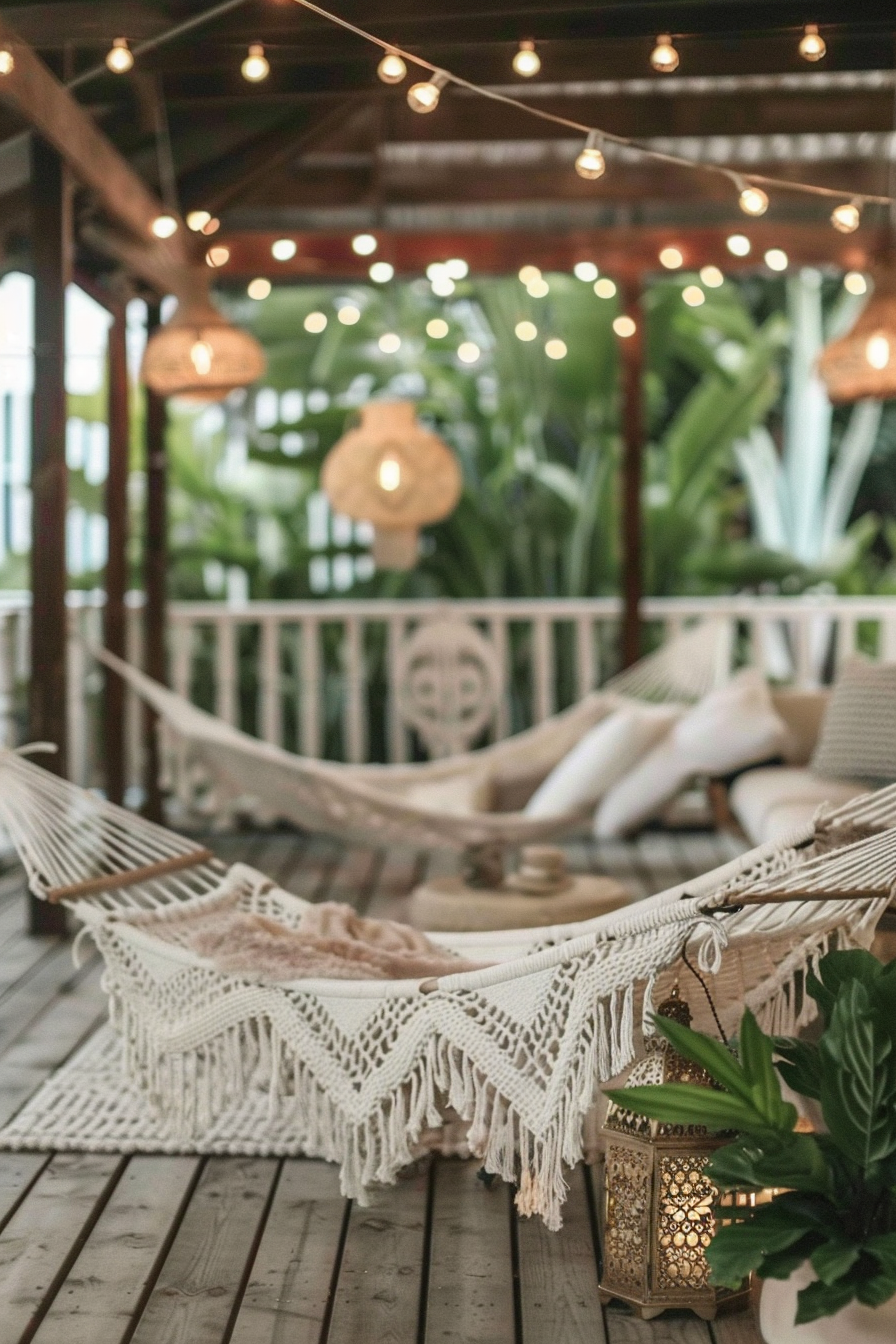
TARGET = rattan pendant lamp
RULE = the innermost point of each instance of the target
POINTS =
(863, 363)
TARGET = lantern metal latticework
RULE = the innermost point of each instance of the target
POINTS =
(656, 1210)
(199, 355)
(394, 473)
(863, 363)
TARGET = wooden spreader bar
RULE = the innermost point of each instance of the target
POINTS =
(782, 897)
(130, 877)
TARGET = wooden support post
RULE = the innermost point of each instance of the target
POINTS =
(154, 576)
(115, 615)
(48, 698)
(631, 349)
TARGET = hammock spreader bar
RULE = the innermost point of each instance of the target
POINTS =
(130, 877)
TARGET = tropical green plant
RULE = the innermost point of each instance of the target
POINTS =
(838, 1211)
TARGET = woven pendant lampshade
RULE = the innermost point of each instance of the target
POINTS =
(199, 355)
(394, 473)
(863, 363)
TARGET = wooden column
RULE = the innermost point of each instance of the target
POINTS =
(631, 352)
(154, 575)
(47, 698)
(115, 615)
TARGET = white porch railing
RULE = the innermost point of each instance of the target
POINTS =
(320, 677)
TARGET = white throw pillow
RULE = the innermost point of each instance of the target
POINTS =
(600, 758)
(730, 728)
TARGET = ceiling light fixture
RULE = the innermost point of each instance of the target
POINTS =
(256, 66)
(527, 61)
(664, 58)
(119, 57)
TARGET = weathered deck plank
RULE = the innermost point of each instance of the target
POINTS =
(558, 1275)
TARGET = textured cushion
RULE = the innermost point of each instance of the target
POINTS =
(730, 728)
(858, 735)
(602, 756)
(774, 800)
(803, 712)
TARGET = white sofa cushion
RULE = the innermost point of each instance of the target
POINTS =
(774, 800)
(730, 728)
(600, 758)
(858, 733)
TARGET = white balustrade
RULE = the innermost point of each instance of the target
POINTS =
(325, 672)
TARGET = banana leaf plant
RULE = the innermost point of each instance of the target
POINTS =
(838, 1210)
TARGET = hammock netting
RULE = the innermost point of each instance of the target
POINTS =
(357, 1071)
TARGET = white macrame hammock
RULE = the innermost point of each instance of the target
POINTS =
(214, 767)
(357, 1071)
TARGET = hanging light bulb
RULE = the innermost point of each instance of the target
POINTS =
(256, 66)
(591, 163)
(389, 474)
(424, 97)
(119, 57)
(752, 200)
(664, 58)
(812, 45)
(197, 220)
(527, 61)
(164, 226)
(877, 351)
(847, 217)
(392, 68)
(201, 358)
(7, 61)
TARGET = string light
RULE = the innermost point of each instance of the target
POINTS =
(381, 272)
(7, 61)
(528, 274)
(164, 226)
(664, 58)
(259, 289)
(457, 269)
(847, 217)
(437, 328)
(284, 249)
(389, 343)
(585, 270)
(119, 57)
(693, 296)
(392, 69)
(525, 331)
(605, 288)
(555, 349)
(738, 244)
(389, 471)
(591, 163)
(712, 277)
(854, 282)
(256, 66)
(752, 200)
(468, 352)
(348, 314)
(197, 220)
(217, 256)
(877, 351)
(672, 258)
(442, 284)
(776, 259)
(364, 244)
(315, 323)
(527, 61)
(201, 354)
(624, 326)
(424, 97)
(812, 45)
(538, 289)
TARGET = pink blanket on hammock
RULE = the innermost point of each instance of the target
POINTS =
(331, 942)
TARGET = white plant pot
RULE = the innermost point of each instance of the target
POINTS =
(855, 1324)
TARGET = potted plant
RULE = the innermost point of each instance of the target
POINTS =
(825, 1244)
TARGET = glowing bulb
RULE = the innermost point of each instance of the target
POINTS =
(468, 352)
(259, 289)
(526, 331)
(812, 45)
(348, 314)
(712, 277)
(389, 343)
(457, 269)
(437, 328)
(753, 201)
(442, 285)
(119, 57)
(877, 351)
(605, 289)
(381, 272)
(201, 358)
(664, 58)
(624, 326)
(671, 258)
(693, 296)
(315, 322)
(284, 249)
(389, 474)
(424, 97)
(255, 67)
(364, 244)
(391, 68)
(197, 220)
(585, 270)
(212, 226)
(7, 61)
(776, 259)
(529, 273)
(555, 349)
(854, 282)
(591, 163)
(527, 61)
(538, 289)
(738, 245)
(847, 217)
(217, 256)
(164, 226)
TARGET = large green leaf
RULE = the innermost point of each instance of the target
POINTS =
(858, 1088)
(686, 1104)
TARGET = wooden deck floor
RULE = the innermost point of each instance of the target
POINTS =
(183, 1250)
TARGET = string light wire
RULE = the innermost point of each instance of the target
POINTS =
(676, 160)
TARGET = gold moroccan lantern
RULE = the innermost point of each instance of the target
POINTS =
(198, 354)
(656, 1210)
(863, 363)
(394, 473)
